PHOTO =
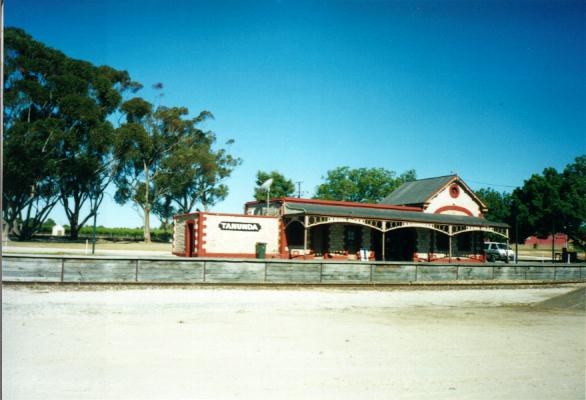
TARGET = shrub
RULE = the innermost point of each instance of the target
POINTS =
(157, 235)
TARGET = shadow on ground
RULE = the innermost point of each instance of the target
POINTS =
(574, 300)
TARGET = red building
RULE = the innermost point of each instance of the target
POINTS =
(560, 240)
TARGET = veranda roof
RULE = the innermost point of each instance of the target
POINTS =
(387, 214)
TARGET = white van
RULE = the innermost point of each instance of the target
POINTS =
(494, 251)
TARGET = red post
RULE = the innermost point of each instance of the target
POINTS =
(200, 234)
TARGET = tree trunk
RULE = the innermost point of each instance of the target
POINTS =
(147, 208)
(73, 229)
(147, 224)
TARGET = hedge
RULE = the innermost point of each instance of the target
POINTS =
(157, 235)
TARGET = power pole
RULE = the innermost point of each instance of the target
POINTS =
(1, 119)
(299, 189)
(552, 241)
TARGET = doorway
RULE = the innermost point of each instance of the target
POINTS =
(353, 238)
(190, 238)
(320, 239)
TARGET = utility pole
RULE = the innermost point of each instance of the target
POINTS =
(1, 133)
(1, 119)
(516, 239)
(552, 241)
(299, 189)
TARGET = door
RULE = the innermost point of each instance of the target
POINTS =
(189, 238)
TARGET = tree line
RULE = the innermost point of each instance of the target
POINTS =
(547, 203)
(72, 129)
(362, 185)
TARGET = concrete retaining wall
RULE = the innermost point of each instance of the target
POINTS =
(45, 268)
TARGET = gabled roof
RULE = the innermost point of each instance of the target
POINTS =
(417, 192)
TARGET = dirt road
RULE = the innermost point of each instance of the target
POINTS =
(143, 343)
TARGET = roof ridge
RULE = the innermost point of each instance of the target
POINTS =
(435, 177)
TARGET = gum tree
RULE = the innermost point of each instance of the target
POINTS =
(166, 164)
(56, 119)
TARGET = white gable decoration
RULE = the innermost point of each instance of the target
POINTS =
(454, 199)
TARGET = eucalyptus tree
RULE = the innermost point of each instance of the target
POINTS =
(57, 134)
(154, 149)
(85, 143)
(166, 163)
(30, 185)
(29, 191)
(196, 172)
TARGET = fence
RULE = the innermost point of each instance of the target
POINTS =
(46, 268)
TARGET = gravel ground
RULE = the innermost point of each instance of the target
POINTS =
(92, 342)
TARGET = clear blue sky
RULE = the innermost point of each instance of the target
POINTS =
(494, 91)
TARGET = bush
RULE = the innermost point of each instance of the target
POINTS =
(157, 235)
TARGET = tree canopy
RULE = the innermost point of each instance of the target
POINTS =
(56, 119)
(498, 204)
(62, 146)
(553, 202)
(281, 187)
(363, 185)
(166, 164)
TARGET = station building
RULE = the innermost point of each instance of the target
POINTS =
(437, 220)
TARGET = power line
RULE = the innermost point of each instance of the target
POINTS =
(490, 184)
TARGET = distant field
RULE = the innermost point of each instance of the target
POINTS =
(140, 246)
(543, 251)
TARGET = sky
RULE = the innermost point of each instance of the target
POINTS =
(491, 90)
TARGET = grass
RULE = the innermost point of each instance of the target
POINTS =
(543, 251)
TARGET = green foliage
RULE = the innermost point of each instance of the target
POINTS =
(498, 204)
(158, 235)
(30, 188)
(574, 199)
(56, 119)
(281, 186)
(363, 185)
(166, 164)
(195, 172)
(553, 202)
(47, 227)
